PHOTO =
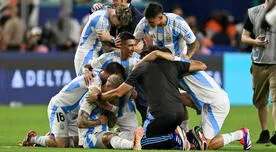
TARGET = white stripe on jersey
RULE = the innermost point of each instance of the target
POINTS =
(203, 87)
(174, 35)
(115, 56)
(90, 46)
(70, 95)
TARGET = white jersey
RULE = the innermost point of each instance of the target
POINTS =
(271, 17)
(70, 95)
(115, 56)
(175, 35)
(202, 88)
(90, 46)
(94, 112)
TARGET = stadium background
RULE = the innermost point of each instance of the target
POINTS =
(30, 77)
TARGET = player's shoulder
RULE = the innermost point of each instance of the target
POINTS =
(256, 9)
(115, 53)
(136, 55)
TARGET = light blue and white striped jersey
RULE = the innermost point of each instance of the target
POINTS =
(71, 94)
(89, 45)
(94, 112)
(202, 88)
(175, 35)
(115, 56)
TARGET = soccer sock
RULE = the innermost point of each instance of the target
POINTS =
(41, 140)
(233, 136)
(274, 114)
(120, 143)
(185, 125)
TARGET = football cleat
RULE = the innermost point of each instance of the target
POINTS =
(245, 140)
(196, 138)
(27, 140)
(180, 139)
(139, 133)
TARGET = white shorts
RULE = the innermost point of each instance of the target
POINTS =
(127, 125)
(94, 140)
(213, 116)
(62, 124)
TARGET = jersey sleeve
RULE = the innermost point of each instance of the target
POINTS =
(141, 29)
(248, 24)
(86, 107)
(97, 83)
(101, 61)
(184, 30)
(135, 75)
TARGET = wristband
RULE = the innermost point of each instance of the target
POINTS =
(114, 109)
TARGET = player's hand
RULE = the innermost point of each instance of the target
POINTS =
(104, 36)
(139, 46)
(91, 97)
(97, 6)
(118, 42)
(88, 77)
(134, 94)
(148, 40)
(103, 119)
(260, 41)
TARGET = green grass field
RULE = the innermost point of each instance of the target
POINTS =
(15, 122)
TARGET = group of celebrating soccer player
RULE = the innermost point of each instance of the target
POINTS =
(126, 61)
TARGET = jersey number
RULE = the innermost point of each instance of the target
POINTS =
(60, 117)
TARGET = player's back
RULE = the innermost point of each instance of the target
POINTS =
(160, 83)
(97, 21)
(202, 88)
(115, 56)
(71, 94)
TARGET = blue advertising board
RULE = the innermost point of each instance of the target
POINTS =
(33, 78)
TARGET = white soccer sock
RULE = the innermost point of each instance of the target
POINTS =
(185, 125)
(41, 140)
(120, 143)
(233, 136)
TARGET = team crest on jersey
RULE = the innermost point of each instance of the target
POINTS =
(169, 38)
(160, 36)
(153, 36)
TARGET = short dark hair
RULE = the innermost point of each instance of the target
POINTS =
(124, 36)
(152, 10)
(128, 1)
(115, 68)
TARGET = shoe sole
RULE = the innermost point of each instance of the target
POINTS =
(200, 137)
(139, 133)
(248, 142)
(181, 134)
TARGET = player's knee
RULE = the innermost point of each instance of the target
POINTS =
(107, 138)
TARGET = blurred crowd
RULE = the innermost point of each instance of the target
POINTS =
(219, 32)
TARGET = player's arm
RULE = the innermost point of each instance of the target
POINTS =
(187, 34)
(192, 49)
(107, 106)
(247, 30)
(84, 122)
(110, 95)
(154, 55)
